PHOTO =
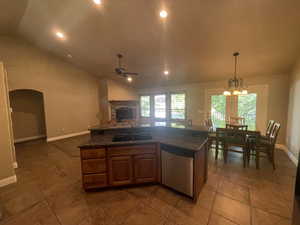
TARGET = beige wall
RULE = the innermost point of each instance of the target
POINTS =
(6, 151)
(120, 92)
(71, 96)
(28, 116)
(112, 90)
(293, 128)
(277, 98)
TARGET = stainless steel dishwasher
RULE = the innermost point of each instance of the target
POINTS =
(177, 170)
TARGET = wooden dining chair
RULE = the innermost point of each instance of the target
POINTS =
(232, 140)
(220, 144)
(237, 120)
(237, 127)
(267, 146)
(269, 129)
(211, 133)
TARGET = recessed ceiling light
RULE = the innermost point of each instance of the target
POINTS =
(166, 72)
(60, 35)
(129, 79)
(163, 14)
(97, 2)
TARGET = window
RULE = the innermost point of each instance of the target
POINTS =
(218, 110)
(177, 106)
(247, 109)
(145, 106)
(160, 106)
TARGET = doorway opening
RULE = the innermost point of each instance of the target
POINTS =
(28, 115)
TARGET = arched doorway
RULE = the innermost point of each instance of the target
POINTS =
(28, 114)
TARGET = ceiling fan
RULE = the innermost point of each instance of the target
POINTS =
(121, 71)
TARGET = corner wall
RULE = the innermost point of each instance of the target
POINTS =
(293, 127)
(7, 174)
(71, 95)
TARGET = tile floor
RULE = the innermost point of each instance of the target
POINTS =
(49, 192)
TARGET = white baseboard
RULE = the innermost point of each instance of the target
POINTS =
(67, 136)
(15, 165)
(290, 155)
(8, 180)
(20, 140)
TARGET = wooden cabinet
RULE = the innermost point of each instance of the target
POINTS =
(145, 168)
(93, 153)
(120, 170)
(94, 181)
(120, 165)
(94, 166)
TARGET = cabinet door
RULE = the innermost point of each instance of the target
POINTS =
(120, 170)
(145, 168)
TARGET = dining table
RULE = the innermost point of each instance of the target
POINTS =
(237, 126)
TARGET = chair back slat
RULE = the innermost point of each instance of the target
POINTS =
(270, 127)
(274, 133)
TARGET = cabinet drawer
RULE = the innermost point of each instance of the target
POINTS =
(131, 150)
(93, 166)
(93, 153)
(94, 181)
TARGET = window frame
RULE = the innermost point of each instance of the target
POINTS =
(168, 106)
(140, 108)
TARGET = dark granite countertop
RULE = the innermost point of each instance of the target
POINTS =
(191, 143)
(153, 125)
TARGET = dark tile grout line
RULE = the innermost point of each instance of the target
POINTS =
(60, 149)
(211, 210)
(251, 206)
(46, 200)
(212, 206)
(21, 212)
(48, 204)
(251, 211)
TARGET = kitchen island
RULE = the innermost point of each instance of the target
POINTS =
(174, 156)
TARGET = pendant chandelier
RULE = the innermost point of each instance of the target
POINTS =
(235, 84)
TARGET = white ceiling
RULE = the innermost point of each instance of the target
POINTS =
(195, 42)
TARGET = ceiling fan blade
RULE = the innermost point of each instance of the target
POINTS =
(129, 73)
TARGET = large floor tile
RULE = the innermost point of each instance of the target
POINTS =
(234, 191)
(260, 217)
(144, 215)
(272, 202)
(39, 214)
(216, 219)
(233, 210)
(49, 192)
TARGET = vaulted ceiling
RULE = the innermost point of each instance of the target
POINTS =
(195, 42)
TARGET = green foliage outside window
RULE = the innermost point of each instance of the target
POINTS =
(178, 106)
(247, 109)
(218, 110)
(145, 106)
